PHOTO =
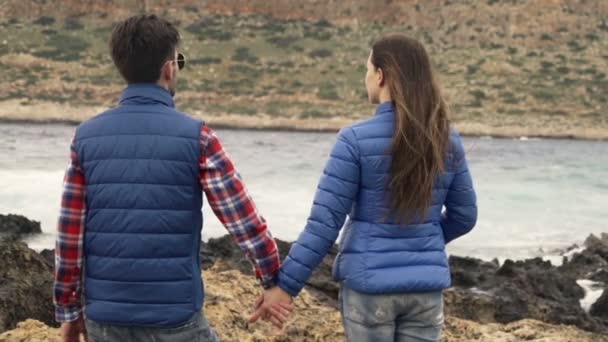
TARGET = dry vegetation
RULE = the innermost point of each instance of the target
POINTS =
(509, 67)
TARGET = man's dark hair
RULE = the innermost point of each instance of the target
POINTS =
(141, 45)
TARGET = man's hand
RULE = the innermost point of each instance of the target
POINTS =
(71, 331)
(275, 305)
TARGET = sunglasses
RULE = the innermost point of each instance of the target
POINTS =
(181, 61)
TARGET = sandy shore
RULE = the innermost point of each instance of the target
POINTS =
(13, 111)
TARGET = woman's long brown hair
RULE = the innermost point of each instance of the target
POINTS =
(420, 141)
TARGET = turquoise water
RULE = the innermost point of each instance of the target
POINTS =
(535, 196)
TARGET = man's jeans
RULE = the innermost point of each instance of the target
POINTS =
(195, 330)
(411, 317)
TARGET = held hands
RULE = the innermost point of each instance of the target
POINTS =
(274, 305)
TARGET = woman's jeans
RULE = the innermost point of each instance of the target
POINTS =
(410, 317)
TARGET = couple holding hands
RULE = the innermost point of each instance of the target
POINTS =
(396, 185)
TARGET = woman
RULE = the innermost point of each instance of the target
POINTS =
(392, 175)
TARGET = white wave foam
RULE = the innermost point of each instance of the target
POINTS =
(593, 291)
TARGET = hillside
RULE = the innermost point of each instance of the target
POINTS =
(509, 67)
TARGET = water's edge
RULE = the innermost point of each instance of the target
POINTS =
(322, 129)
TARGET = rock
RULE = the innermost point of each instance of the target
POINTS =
(583, 265)
(13, 227)
(541, 279)
(225, 249)
(535, 289)
(594, 241)
(26, 286)
(598, 249)
(600, 307)
(511, 304)
(483, 291)
(600, 275)
(570, 249)
(226, 316)
(31, 331)
(315, 317)
(457, 330)
(516, 290)
(470, 272)
(49, 256)
(592, 262)
(231, 294)
(471, 305)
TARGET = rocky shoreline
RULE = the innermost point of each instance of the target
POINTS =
(333, 125)
(482, 291)
(517, 300)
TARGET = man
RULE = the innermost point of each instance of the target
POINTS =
(130, 225)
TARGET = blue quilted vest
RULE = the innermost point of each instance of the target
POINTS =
(143, 221)
(379, 256)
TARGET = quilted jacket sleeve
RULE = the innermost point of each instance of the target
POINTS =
(460, 215)
(333, 201)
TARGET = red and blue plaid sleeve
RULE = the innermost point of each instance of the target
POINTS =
(68, 249)
(233, 206)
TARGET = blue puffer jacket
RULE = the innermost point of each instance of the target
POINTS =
(143, 223)
(377, 257)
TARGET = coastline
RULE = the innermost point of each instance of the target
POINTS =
(230, 295)
(236, 122)
(46, 112)
(517, 300)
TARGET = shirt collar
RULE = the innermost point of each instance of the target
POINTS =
(146, 93)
